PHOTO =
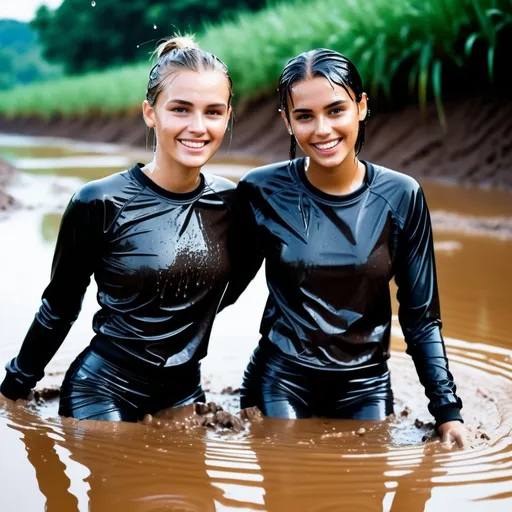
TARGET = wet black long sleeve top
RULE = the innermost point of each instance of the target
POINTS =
(329, 261)
(161, 264)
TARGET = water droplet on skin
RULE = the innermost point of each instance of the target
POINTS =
(93, 3)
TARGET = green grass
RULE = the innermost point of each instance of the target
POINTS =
(115, 91)
(383, 38)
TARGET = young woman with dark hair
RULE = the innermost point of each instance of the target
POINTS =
(334, 230)
(154, 237)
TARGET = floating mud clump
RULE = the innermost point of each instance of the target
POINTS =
(209, 415)
(46, 394)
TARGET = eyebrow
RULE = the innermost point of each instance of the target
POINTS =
(334, 104)
(190, 104)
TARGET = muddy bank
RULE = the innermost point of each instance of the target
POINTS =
(499, 227)
(7, 173)
(475, 149)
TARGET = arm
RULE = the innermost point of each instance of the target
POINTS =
(73, 263)
(245, 245)
(419, 313)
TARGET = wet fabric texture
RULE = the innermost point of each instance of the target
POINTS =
(95, 388)
(329, 260)
(161, 264)
(281, 388)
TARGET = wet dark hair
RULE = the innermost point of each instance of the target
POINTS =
(333, 66)
(180, 53)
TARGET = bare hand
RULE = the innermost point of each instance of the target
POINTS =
(454, 432)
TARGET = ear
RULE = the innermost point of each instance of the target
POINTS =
(288, 126)
(363, 107)
(230, 114)
(148, 113)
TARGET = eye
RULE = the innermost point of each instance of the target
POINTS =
(303, 117)
(336, 111)
(213, 113)
(179, 110)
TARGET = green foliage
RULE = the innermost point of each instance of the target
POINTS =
(117, 90)
(84, 38)
(20, 56)
(382, 38)
(415, 41)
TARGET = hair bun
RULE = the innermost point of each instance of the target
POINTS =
(176, 43)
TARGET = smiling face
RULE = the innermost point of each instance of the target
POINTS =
(190, 116)
(325, 121)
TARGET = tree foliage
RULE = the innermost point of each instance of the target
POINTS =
(85, 37)
(20, 56)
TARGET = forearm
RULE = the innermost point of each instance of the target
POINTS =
(24, 371)
(75, 254)
(433, 371)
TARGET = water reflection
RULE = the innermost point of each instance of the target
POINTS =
(85, 468)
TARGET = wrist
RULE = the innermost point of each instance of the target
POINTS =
(13, 388)
(447, 413)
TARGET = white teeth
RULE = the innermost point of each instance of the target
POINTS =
(327, 145)
(190, 144)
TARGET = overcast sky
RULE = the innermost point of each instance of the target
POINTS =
(25, 10)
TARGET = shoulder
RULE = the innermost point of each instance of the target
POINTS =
(218, 190)
(389, 179)
(268, 179)
(102, 189)
(397, 188)
(267, 173)
(402, 192)
(218, 183)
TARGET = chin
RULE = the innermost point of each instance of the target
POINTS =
(328, 163)
(193, 162)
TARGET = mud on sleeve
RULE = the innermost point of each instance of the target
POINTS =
(73, 263)
(245, 247)
(419, 312)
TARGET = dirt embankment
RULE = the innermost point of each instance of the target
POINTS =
(476, 148)
(7, 172)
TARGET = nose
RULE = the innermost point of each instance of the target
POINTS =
(322, 127)
(197, 124)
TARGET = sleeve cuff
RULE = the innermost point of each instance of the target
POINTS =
(448, 413)
(13, 388)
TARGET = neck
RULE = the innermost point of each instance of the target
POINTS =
(172, 176)
(339, 180)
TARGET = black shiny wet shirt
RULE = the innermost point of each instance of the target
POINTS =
(161, 264)
(329, 260)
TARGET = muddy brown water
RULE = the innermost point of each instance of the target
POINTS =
(310, 465)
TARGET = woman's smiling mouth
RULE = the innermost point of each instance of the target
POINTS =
(324, 147)
(194, 144)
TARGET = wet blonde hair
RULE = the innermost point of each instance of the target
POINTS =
(178, 53)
